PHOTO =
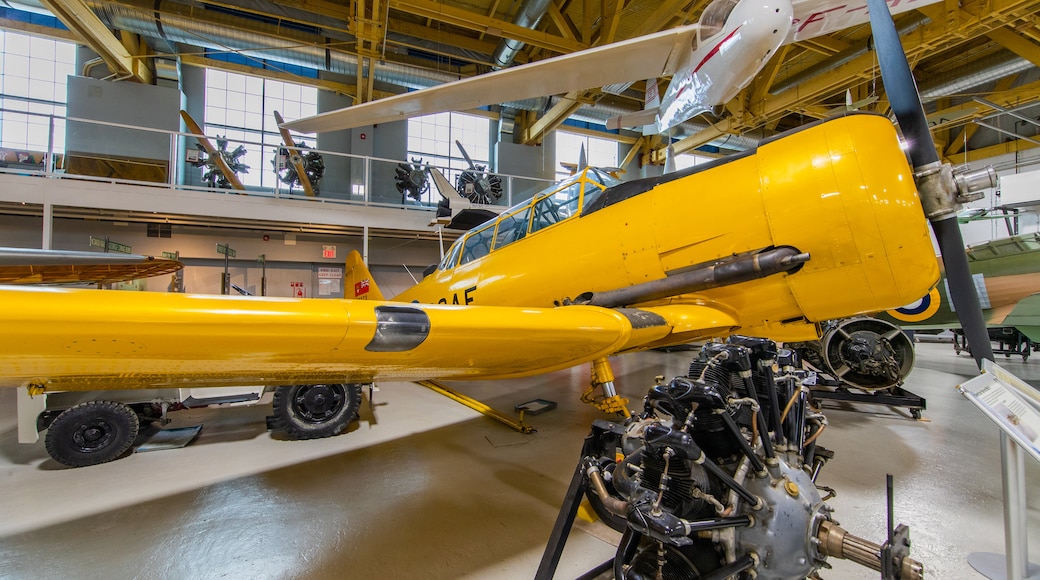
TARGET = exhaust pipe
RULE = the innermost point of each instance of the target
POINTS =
(734, 271)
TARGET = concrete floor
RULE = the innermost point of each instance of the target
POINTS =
(424, 488)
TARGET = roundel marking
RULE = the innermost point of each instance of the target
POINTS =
(918, 310)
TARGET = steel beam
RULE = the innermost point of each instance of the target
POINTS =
(75, 15)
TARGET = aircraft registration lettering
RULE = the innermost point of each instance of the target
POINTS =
(466, 297)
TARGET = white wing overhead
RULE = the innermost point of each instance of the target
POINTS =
(654, 55)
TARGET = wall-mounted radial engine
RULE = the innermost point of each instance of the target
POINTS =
(214, 175)
(476, 184)
(717, 477)
(312, 162)
(412, 180)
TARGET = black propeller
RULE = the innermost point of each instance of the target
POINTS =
(941, 190)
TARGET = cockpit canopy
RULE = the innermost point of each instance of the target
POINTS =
(713, 19)
(550, 206)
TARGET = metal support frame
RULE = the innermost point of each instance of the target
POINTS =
(995, 393)
(894, 397)
(1015, 564)
(602, 431)
(479, 407)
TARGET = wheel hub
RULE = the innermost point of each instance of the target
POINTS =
(92, 436)
(317, 403)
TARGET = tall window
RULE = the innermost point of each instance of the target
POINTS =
(686, 160)
(242, 107)
(33, 81)
(598, 152)
(432, 138)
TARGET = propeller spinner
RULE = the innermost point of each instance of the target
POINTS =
(941, 189)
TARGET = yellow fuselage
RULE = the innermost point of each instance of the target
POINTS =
(840, 190)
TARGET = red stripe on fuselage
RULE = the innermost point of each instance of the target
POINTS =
(716, 49)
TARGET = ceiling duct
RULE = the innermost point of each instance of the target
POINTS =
(530, 13)
(223, 32)
(913, 21)
(980, 72)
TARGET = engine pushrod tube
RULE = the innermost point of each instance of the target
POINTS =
(756, 463)
(754, 502)
(763, 430)
(719, 523)
(774, 400)
(741, 269)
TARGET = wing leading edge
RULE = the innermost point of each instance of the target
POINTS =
(31, 266)
(65, 339)
(654, 55)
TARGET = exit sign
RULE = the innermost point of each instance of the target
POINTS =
(328, 251)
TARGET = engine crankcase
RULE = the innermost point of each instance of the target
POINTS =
(782, 532)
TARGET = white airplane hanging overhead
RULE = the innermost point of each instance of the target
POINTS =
(709, 62)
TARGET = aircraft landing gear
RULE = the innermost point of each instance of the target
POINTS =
(315, 411)
(91, 433)
(609, 401)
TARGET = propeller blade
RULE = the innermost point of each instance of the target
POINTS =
(464, 154)
(938, 196)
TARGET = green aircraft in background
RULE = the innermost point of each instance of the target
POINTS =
(1007, 277)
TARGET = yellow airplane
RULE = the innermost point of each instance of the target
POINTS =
(583, 271)
(636, 263)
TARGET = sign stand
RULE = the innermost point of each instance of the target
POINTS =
(1010, 403)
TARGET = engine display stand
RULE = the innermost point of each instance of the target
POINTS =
(569, 509)
(894, 397)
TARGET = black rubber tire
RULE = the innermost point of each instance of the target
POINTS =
(315, 411)
(91, 433)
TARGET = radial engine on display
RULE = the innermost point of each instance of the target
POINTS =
(412, 180)
(862, 352)
(213, 175)
(313, 166)
(717, 477)
(476, 184)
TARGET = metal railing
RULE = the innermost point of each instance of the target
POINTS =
(348, 179)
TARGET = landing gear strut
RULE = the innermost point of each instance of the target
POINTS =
(608, 401)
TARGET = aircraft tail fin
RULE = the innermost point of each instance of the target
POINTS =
(652, 98)
(647, 118)
(358, 284)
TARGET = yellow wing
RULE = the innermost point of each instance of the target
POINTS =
(30, 266)
(70, 339)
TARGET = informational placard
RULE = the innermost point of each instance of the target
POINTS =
(329, 273)
(1007, 405)
(110, 246)
(226, 250)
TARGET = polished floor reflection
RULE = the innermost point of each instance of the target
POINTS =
(424, 488)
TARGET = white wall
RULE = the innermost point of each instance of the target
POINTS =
(286, 263)
(977, 232)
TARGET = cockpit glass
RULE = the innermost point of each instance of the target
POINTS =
(452, 257)
(554, 204)
(713, 20)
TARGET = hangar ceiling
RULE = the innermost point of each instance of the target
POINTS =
(976, 61)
